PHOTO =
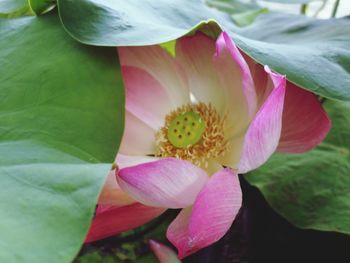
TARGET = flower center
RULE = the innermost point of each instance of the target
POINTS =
(193, 132)
(186, 129)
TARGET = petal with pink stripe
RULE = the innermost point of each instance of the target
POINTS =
(162, 68)
(213, 212)
(237, 82)
(168, 182)
(264, 132)
(145, 97)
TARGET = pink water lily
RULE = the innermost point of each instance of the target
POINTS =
(190, 115)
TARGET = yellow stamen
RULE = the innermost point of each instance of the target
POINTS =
(212, 142)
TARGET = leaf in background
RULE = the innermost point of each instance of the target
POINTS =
(248, 17)
(14, 8)
(61, 120)
(314, 54)
(233, 6)
(292, 1)
(340, 114)
(41, 6)
(312, 190)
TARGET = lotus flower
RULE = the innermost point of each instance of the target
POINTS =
(197, 119)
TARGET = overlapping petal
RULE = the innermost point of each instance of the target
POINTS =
(305, 123)
(112, 194)
(240, 96)
(168, 182)
(112, 220)
(177, 232)
(213, 212)
(237, 82)
(264, 132)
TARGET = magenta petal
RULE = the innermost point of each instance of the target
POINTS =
(305, 124)
(264, 132)
(214, 210)
(168, 182)
(177, 232)
(163, 253)
(112, 220)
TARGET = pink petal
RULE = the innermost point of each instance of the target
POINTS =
(163, 253)
(195, 54)
(262, 137)
(305, 124)
(213, 212)
(177, 232)
(149, 71)
(145, 96)
(112, 194)
(237, 81)
(168, 182)
(138, 137)
(110, 220)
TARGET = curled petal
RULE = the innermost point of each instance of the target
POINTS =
(112, 220)
(213, 212)
(264, 132)
(163, 253)
(168, 182)
(305, 124)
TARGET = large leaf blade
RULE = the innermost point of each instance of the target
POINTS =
(61, 115)
(312, 53)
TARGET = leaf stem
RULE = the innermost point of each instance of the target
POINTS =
(324, 2)
(335, 8)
